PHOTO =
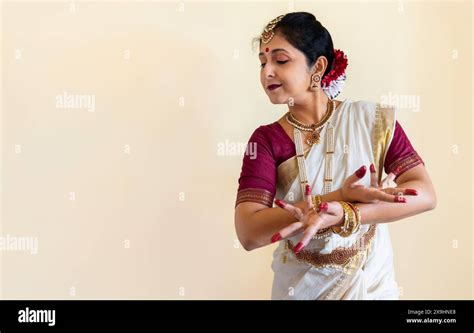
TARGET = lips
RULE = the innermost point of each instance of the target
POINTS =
(273, 86)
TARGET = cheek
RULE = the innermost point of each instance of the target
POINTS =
(298, 83)
(294, 79)
(262, 79)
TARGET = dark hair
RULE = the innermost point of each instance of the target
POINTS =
(307, 34)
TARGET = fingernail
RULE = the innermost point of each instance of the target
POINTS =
(400, 199)
(361, 172)
(280, 203)
(298, 248)
(411, 191)
(308, 189)
(323, 206)
(276, 237)
(372, 168)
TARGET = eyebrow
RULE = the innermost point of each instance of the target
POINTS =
(273, 51)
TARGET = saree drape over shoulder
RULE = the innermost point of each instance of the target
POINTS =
(333, 267)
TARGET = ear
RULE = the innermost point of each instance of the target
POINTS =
(321, 65)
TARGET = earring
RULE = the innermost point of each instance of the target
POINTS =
(315, 79)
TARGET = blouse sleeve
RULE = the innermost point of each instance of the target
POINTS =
(400, 155)
(257, 182)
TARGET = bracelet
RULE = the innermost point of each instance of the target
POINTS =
(336, 229)
(357, 215)
(351, 221)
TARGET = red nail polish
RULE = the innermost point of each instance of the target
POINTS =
(276, 237)
(361, 172)
(280, 203)
(308, 189)
(323, 206)
(372, 168)
(400, 199)
(411, 191)
(298, 248)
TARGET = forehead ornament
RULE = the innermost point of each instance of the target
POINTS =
(268, 32)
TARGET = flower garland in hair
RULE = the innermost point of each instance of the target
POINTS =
(333, 82)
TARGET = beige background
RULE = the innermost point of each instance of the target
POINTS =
(151, 213)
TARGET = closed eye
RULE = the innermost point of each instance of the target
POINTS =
(281, 62)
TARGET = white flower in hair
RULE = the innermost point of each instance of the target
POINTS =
(335, 87)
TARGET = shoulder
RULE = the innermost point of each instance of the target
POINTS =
(273, 139)
(372, 111)
(363, 104)
(266, 132)
(368, 105)
(264, 136)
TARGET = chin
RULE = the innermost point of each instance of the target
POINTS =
(277, 100)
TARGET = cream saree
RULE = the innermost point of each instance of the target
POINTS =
(356, 267)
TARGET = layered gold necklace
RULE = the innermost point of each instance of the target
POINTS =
(314, 129)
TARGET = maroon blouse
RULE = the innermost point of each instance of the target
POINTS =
(257, 182)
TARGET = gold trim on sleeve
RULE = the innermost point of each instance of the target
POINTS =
(255, 195)
(402, 164)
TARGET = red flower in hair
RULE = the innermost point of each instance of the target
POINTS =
(338, 68)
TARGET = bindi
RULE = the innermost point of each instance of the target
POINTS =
(267, 49)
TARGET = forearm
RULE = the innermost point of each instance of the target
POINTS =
(383, 212)
(267, 222)
(262, 225)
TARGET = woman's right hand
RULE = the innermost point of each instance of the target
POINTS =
(310, 219)
(353, 192)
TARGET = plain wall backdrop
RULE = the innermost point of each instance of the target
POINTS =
(132, 195)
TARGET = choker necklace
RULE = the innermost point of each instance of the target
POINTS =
(314, 129)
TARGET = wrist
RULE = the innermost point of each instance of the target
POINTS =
(340, 195)
(332, 196)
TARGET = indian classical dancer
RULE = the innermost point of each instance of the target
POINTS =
(330, 216)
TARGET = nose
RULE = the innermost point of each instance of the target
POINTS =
(267, 71)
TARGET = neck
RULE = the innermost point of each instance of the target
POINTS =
(311, 110)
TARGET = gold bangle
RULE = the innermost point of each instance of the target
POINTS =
(349, 222)
(358, 216)
(355, 227)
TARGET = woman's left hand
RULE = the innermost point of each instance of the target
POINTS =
(352, 191)
(310, 219)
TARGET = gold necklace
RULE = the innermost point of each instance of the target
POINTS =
(315, 129)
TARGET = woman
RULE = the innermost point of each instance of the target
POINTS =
(331, 217)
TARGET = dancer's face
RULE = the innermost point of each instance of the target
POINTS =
(284, 65)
